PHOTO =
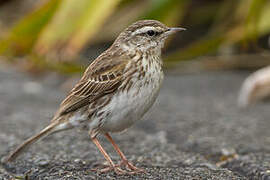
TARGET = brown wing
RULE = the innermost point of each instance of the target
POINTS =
(102, 77)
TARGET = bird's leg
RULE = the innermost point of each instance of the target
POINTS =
(125, 162)
(112, 166)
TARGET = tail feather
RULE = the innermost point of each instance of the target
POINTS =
(46, 131)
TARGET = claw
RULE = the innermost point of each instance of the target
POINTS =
(131, 167)
(116, 169)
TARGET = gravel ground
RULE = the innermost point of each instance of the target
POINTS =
(194, 131)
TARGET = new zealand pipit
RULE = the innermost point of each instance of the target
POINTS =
(116, 90)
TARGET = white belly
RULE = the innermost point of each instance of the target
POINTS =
(129, 106)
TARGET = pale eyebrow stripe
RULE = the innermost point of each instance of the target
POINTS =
(142, 30)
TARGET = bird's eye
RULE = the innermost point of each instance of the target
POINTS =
(151, 33)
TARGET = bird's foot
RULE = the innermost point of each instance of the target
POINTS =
(108, 168)
(132, 169)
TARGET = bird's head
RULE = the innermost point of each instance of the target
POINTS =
(145, 35)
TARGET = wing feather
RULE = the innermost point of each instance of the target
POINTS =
(101, 78)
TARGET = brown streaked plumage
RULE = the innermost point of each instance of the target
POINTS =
(116, 90)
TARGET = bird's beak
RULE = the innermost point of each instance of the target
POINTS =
(174, 30)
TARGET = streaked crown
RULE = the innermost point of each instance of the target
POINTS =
(145, 35)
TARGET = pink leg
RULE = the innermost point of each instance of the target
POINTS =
(112, 166)
(123, 157)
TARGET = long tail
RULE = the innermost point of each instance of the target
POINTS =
(46, 131)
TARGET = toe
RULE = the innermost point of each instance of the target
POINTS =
(132, 168)
(116, 169)
(119, 171)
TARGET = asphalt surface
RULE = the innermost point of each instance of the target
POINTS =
(194, 131)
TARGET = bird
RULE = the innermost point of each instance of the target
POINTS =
(115, 91)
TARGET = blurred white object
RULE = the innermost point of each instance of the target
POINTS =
(255, 87)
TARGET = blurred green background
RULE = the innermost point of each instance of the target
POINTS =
(65, 35)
